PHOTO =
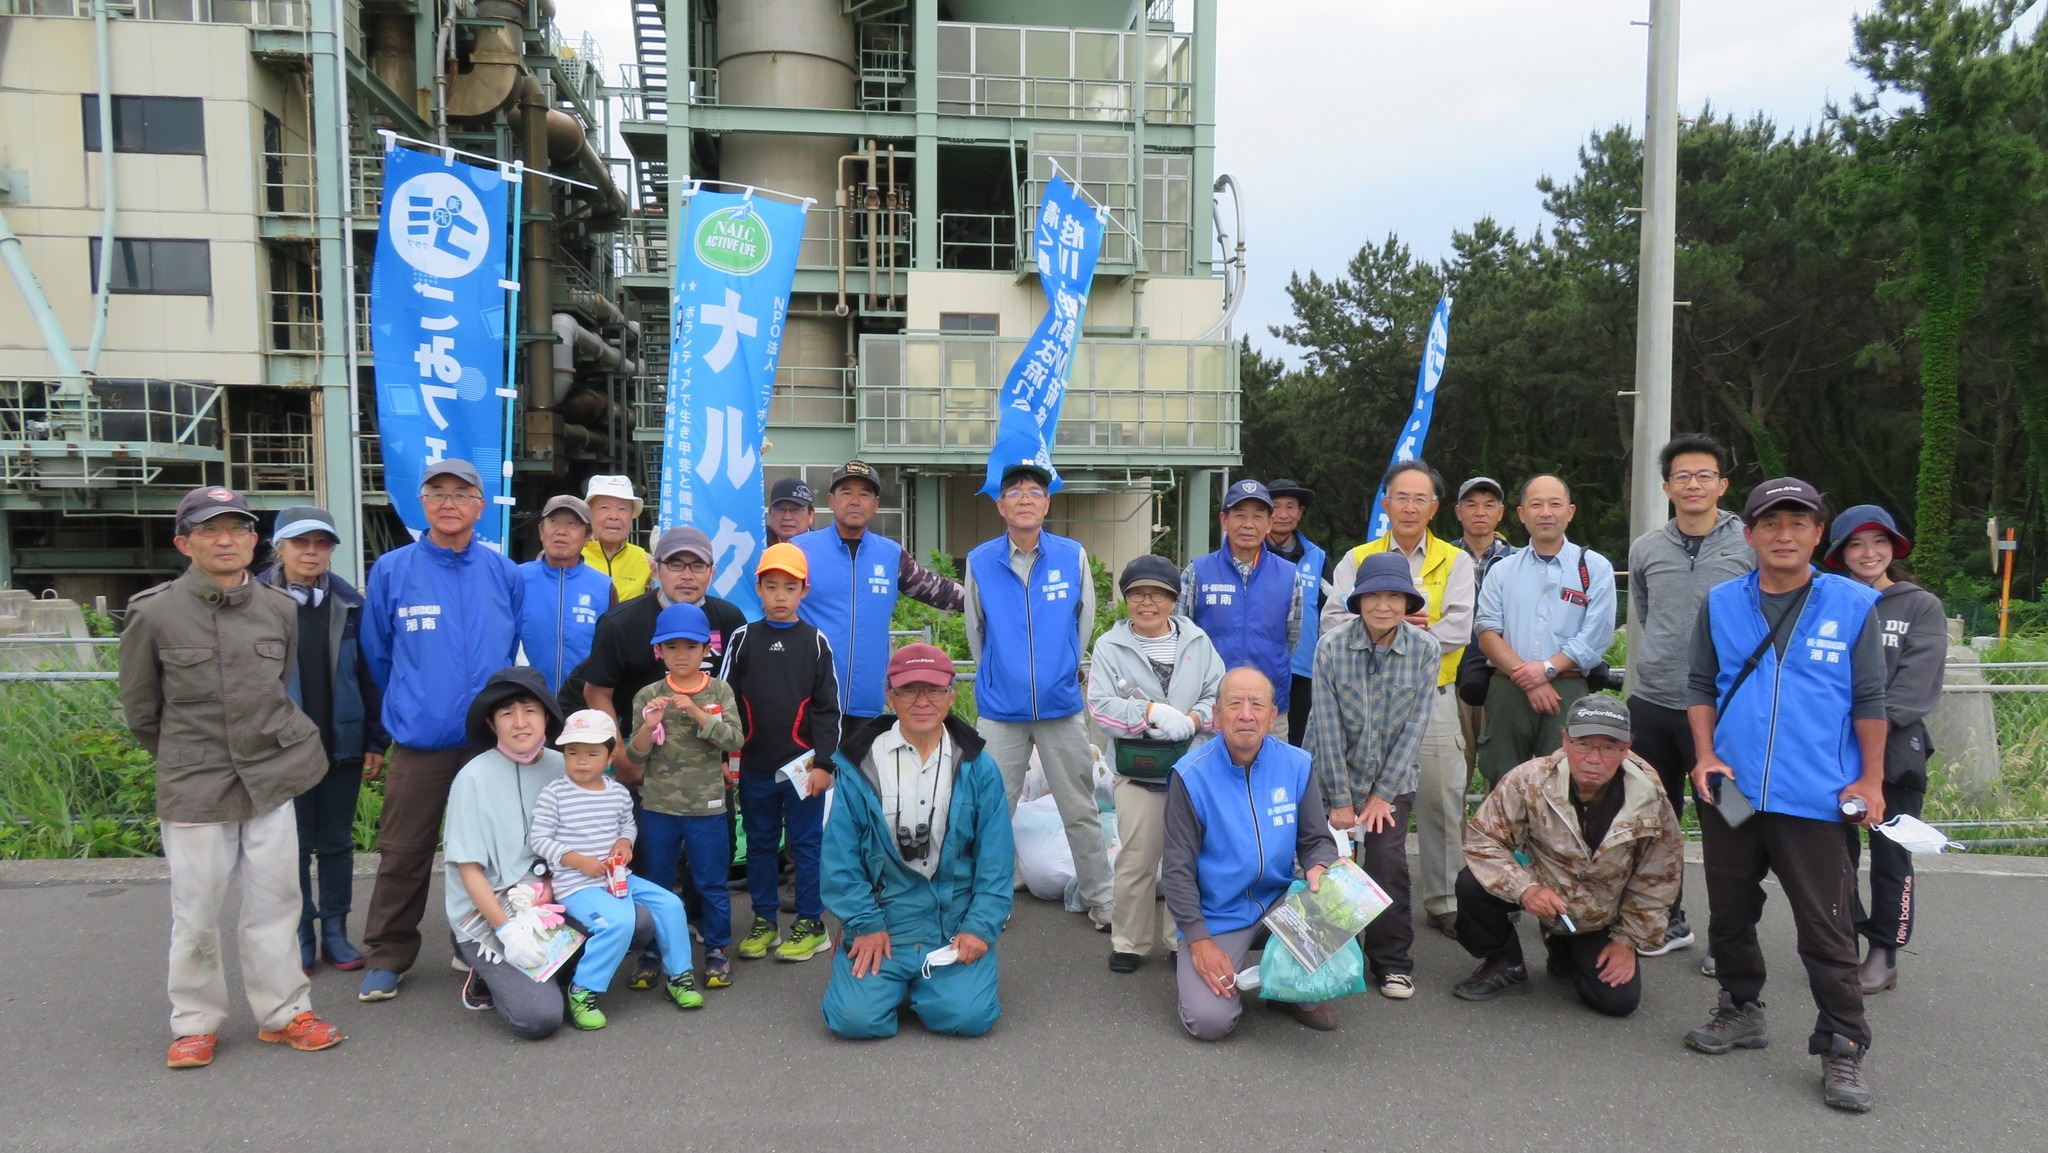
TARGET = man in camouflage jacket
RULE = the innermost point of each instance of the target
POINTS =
(1604, 859)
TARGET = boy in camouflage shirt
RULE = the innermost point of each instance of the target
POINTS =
(690, 721)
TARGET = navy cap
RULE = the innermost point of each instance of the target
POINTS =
(791, 489)
(203, 504)
(1385, 572)
(453, 466)
(1033, 469)
(1149, 571)
(300, 519)
(1780, 492)
(1857, 518)
(1247, 489)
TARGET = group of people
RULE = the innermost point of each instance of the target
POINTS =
(597, 710)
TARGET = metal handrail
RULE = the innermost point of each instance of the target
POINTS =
(251, 13)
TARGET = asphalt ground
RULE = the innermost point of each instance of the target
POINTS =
(1083, 1058)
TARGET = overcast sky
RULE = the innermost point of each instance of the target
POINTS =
(1345, 120)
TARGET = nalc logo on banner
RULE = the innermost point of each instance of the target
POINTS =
(437, 317)
(731, 301)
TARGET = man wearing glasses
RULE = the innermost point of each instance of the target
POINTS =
(443, 615)
(1030, 616)
(622, 660)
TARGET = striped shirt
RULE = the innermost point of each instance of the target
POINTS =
(568, 818)
(1370, 711)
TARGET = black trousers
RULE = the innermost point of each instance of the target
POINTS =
(1297, 710)
(1663, 737)
(1811, 860)
(1889, 920)
(1486, 932)
(1389, 942)
(327, 831)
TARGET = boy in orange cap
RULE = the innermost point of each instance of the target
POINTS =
(781, 670)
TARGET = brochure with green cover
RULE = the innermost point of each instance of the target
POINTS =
(1313, 926)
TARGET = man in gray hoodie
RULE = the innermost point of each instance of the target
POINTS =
(1670, 570)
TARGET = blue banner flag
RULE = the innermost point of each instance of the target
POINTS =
(438, 324)
(731, 301)
(1416, 432)
(1066, 239)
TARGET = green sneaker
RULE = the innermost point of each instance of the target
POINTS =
(583, 1010)
(806, 940)
(682, 989)
(758, 941)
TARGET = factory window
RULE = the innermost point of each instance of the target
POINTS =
(174, 125)
(977, 323)
(157, 267)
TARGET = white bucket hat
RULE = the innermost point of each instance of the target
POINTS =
(613, 486)
(587, 727)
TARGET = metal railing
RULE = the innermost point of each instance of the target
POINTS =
(373, 468)
(640, 246)
(287, 188)
(366, 187)
(640, 101)
(124, 426)
(276, 463)
(976, 240)
(1046, 98)
(294, 321)
(254, 13)
(803, 395)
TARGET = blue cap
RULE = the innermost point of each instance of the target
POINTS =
(1857, 518)
(1385, 572)
(1247, 489)
(300, 519)
(682, 622)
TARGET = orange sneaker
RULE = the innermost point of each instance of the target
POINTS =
(192, 1052)
(305, 1032)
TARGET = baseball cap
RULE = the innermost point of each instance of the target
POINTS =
(1247, 489)
(1026, 468)
(1482, 482)
(1293, 488)
(1855, 519)
(453, 466)
(684, 538)
(1149, 571)
(855, 470)
(565, 501)
(203, 504)
(587, 727)
(1597, 715)
(681, 622)
(790, 489)
(784, 558)
(620, 487)
(920, 664)
(1785, 490)
(1385, 572)
(300, 519)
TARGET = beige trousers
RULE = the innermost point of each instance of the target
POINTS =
(1137, 926)
(203, 859)
(1440, 807)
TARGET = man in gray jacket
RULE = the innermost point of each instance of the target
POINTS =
(1670, 570)
(205, 660)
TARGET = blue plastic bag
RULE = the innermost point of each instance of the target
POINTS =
(1281, 977)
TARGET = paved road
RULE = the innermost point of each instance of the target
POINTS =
(1083, 1059)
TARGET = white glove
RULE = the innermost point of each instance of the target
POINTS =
(1170, 723)
(522, 942)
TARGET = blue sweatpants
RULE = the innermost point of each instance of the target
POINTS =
(769, 810)
(705, 845)
(956, 999)
(608, 921)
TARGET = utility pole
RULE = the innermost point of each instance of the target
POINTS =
(1654, 287)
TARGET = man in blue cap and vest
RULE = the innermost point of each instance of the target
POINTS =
(1248, 599)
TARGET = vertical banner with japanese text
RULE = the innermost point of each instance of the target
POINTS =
(438, 323)
(738, 261)
(1415, 433)
(1066, 238)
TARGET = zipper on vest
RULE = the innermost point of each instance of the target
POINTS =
(852, 618)
(1251, 804)
(561, 609)
(1030, 637)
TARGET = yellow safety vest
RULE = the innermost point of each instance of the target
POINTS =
(1437, 558)
(630, 570)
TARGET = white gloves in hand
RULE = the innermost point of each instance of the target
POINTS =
(521, 938)
(1170, 723)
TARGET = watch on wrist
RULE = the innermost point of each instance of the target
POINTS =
(1549, 671)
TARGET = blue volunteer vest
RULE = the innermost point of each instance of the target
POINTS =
(851, 600)
(1787, 733)
(559, 618)
(1248, 820)
(1310, 574)
(1248, 620)
(1030, 666)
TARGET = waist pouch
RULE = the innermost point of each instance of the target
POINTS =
(1148, 760)
(1906, 749)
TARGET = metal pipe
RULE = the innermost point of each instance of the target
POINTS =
(444, 42)
(873, 202)
(39, 307)
(1235, 298)
(535, 297)
(843, 219)
(889, 207)
(354, 513)
(101, 34)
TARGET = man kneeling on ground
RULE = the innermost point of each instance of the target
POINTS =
(1604, 862)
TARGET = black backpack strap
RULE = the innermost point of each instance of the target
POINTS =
(1770, 640)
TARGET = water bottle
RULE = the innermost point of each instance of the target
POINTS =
(1854, 809)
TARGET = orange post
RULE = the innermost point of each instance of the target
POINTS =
(2005, 593)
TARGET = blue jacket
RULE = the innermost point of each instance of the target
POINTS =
(853, 609)
(356, 699)
(1248, 623)
(560, 615)
(1788, 733)
(438, 623)
(1041, 678)
(867, 885)
(1249, 828)
(1310, 572)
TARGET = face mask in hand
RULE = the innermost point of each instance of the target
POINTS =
(1917, 836)
(940, 957)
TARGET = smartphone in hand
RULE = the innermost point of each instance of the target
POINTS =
(1729, 801)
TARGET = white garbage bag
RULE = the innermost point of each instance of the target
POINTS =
(1034, 781)
(1043, 858)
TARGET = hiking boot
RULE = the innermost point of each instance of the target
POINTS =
(758, 941)
(1731, 1027)
(583, 1010)
(806, 940)
(646, 972)
(1492, 979)
(1879, 971)
(193, 1052)
(1677, 935)
(1841, 1076)
(306, 1032)
(1322, 1016)
(717, 969)
(682, 989)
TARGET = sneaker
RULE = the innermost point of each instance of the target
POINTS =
(682, 989)
(1707, 966)
(583, 1010)
(1125, 962)
(646, 972)
(458, 964)
(1677, 935)
(1841, 1077)
(1731, 1027)
(476, 996)
(1099, 916)
(717, 969)
(1321, 1016)
(306, 1032)
(378, 985)
(1492, 979)
(193, 1052)
(1397, 986)
(758, 941)
(806, 940)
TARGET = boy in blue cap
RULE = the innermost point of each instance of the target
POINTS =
(689, 722)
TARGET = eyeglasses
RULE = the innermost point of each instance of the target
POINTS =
(1409, 500)
(222, 526)
(923, 692)
(686, 566)
(443, 499)
(1148, 595)
(1704, 476)
(1022, 493)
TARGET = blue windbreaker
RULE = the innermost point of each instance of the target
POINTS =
(559, 617)
(437, 625)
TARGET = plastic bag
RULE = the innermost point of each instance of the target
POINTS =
(1281, 977)
(1043, 858)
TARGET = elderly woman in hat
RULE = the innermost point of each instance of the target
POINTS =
(1869, 546)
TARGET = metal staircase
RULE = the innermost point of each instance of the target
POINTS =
(650, 49)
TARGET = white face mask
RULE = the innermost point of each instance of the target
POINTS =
(945, 955)
(1917, 836)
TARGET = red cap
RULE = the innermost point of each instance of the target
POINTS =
(920, 664)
